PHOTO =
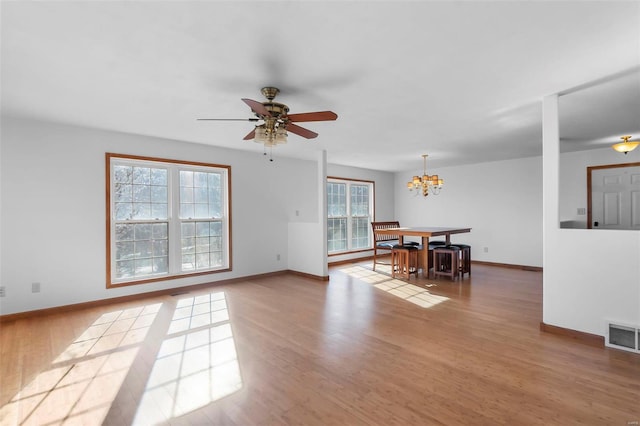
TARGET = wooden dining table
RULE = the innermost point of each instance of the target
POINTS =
(425, 233)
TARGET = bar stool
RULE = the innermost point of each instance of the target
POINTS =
(465, 259)
(445, 261)
(404, 261)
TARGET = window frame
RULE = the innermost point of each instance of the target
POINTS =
(349, 216)
(173, 217)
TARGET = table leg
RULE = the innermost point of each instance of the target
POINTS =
(425, 257)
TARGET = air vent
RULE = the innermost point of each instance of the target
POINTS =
(623, 336)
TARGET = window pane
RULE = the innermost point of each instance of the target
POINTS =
(337, 234)
(188, 229)
(142, 231)
(124, 232)
(215, 202)
(122, 174)
(336, 199)
(201, 211)
(186, 178)
(200, 195)
(124, 269)
(142, 249)
(160, 265)
(202, 229)
(202, 245)
(124, 192)
(216, 259)
(188, 262)
(360, 233)
(160, 248)
(141, 193)
(140, 241)
(215, 243)
(124, 250)
(135, 197)
(359, 200)
(142, 175)
(215, 228)
(159, 211)
(200, 179)
(143, 267)
(186, 195)
(158, 194)
(202, 261)
(187, 211)
(159, 177)
(188, 245)
(159, 231)
(123, 211)
(206, 246)
(141, 211)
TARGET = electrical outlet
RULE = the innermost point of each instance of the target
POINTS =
(581, 211)
(486, 249)
(277, 257)
(35, 287)
(3, 291)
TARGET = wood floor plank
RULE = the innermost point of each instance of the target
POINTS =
(360, 349)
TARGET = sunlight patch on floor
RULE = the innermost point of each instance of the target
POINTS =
(382, 280)
(82, 382)
(197, 362)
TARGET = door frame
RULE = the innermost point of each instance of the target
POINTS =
(589, 170)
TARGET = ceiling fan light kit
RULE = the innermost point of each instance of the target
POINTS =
(425, 183)
(625, 146)
(276, 120)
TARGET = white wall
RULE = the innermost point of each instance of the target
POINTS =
(501, 201)
(53, 210)
(589, 276)
(307, 242)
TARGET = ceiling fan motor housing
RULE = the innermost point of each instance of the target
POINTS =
(276, 109)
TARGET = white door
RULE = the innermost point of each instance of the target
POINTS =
(615, 198)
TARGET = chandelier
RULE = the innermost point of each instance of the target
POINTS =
(425, 183)
(625, 146)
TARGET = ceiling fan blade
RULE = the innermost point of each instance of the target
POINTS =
(257, 107)
(301, 131)
(250, 135)
(228, 119)
(313, 116)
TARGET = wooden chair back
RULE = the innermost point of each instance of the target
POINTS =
(384, 225)
(380, 239)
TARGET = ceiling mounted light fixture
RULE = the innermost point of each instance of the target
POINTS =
(277, 122)
(271, 133)
(625, 146)
(426, 183)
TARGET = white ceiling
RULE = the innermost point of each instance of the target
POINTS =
(461, 81)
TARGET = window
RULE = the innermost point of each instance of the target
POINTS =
(166, 218)
(349, 215)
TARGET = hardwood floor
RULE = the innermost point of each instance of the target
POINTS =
(359, 349)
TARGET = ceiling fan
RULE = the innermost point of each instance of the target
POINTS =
(275, 121)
